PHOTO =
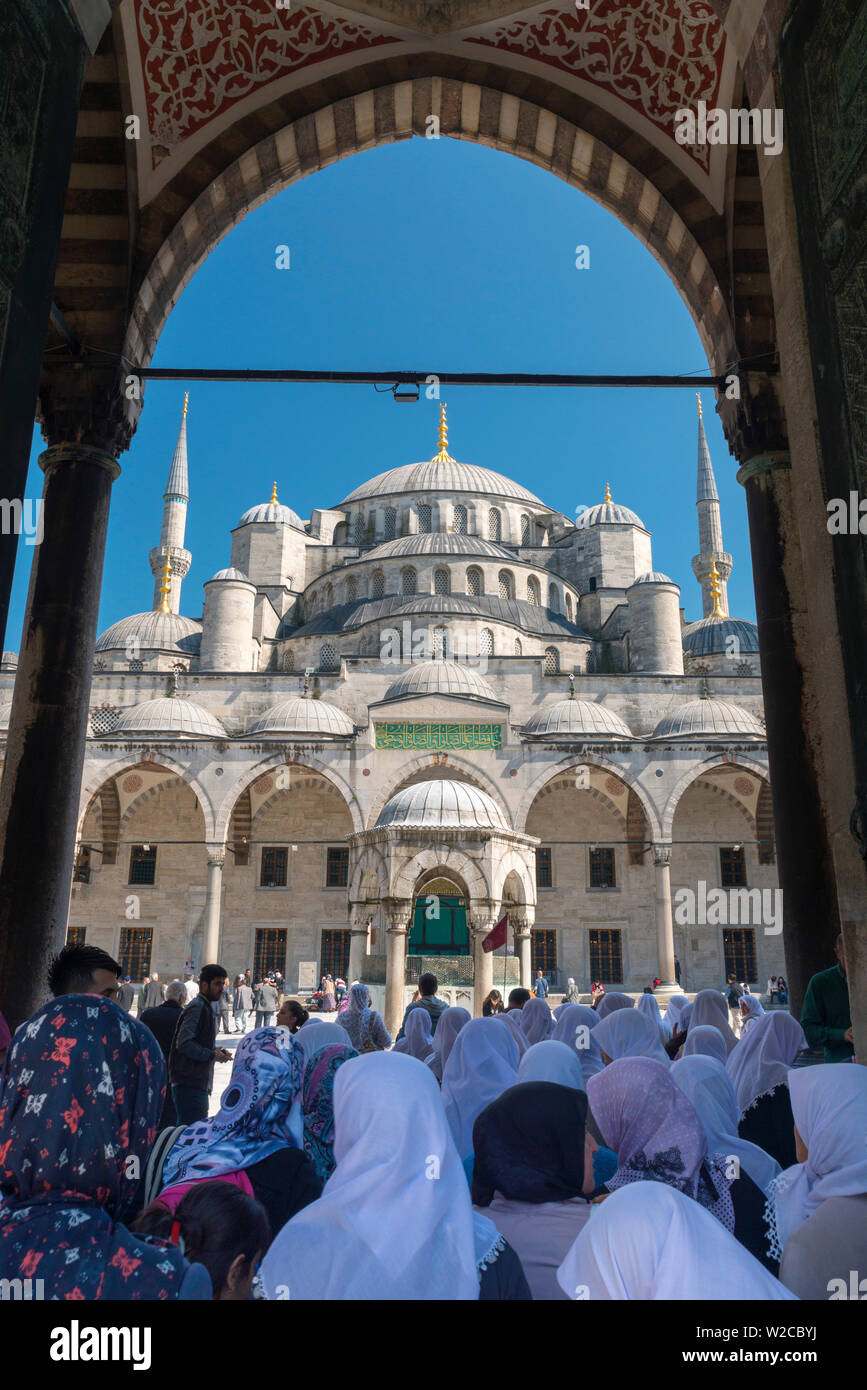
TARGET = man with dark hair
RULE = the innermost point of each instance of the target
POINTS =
(826, 1017)
(162, 1020)
(517, 999)
(427, 988)
(82, 969)
(126, 994)
(193, 1053)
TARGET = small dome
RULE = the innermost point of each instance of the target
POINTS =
(709, 718)
(230, 573)
(302, 716)
(441, 803)
(435, 477)
(9, 661)
(577, 717)
(439, 543)
(652, 577)
(154, 631)
(440, 678)
(608, 514)
(271, 512)
(180, 718)
(710, 636)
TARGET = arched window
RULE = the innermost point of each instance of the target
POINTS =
(553, 598)
(423, 513)
(534, 591)
(328, 658)
(408, 580)
(351, 588)
(439, 644)
(475, 585)
(506, 583)
(359, 528)
(495, 525)
(442, 581)
(461, 519)
(390, 528)
(569, 607)
(519, 650)
(525, 529)
(377, 584)
(486, 642)
(552, 661)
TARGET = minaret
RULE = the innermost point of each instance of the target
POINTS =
(712, 562)
(171, 547)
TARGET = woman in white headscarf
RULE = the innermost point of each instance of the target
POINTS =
(482, 1063)
(536, 1021)
(451, 1021)
(751, 1010)
(674, 1012)
(709, 1006)
(759, 1069)
(708, 1085)
(512, 1020)
(573, 993)
(551, 1061)
(417, 1040)
(648, 1006)
(610, 1003)
(362, 1023)
(394, 1222)
(627, 1033)
(575, 1027)
(818, 1208)
(648, 1242)
(705, 1041)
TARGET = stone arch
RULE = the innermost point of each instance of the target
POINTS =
(147, 794)
(448, 862)
(223, 814)
(513, 866)
(92, 783)
(437, 765)
(279, 792)
(652, 813)
(596, 795)
(370, 861)
(708, 764)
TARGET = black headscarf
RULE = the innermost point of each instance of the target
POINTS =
(529, 1144)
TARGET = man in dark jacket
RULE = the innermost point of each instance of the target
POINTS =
(162, 1021)
(193, 1052)
(266, 1004)
(427, 985)
(126, 995)
(153, 993)
(826, 1017)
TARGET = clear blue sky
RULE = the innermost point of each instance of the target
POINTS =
(425, 255)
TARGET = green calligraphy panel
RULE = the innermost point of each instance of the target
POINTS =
(439, 736)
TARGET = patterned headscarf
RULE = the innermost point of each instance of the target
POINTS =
(323, 1048)
(81, 1098)
(357, 1014)
(657, 1135)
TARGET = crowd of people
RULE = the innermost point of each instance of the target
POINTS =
(607, 1152)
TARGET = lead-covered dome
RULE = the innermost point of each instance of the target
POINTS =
(270, 513)
(440, 678)
(711, 636)
(178, 717)
(439, 543)
(652, 577)
(709, 719)
(577, 717)
(608, 514)
(435, 476)
(303, 716)
(237, 576)
(442, 802)
(154, 631)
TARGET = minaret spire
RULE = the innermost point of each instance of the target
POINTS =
(442, 455)
(170, 551)
(713, 565)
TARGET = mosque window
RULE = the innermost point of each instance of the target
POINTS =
(81, 872)
(744, 668)
(553, 598)
(569, 607)
(461, 519)
(606, 956)
(351, 588)
(424, 518)
(732, 867)
(134, 955)
(442, 581)
(328, 658)
(377, 584)
(337, 867)
(519, 650)
(390, 527)
(592, 584)
(475, 587)
(408, 580)
(288, 660)
(143, 864)
(99, 665)
(495, 525)
(552, 661)
(506, 582)
(104, 719)
(543, 950)
(274, 867)
(544, 875)
(525, 529)
(334, 955)
(534, 591)
(602, 869)
(486, 642)
(439, 644)
(136, 667)
(359, 528)
(76, 936)
(269, 951)
(739, 949)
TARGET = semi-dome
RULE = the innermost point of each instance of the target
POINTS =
(577, 717)
(439, 543)
(230, 573)
(439, 476)
(178, 717)
(440, 678)
(302, 716)
(608, 514)
(271, 512)
(652, 577)
(711, 719)
(442, 802)
(710, 636)
(154, 631)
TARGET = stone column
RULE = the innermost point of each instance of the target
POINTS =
(482, 921)
(397, 915)
(39, 795)
(359, 931)
(521, 928)
(211, 938)
(664, 922)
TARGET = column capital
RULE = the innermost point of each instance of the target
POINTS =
(482, 916)
(398, 912)
(662, 853)
(63, 455)
(216, 859)
(361, 916)
(761, 464)
(521, 923)
(93, 403)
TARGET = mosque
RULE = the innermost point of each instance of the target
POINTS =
(437, 703)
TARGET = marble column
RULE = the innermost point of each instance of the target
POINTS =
(359, 931)
(664, 922)
(397, 915)
(522, 927)
(482, 921)
(213, 908)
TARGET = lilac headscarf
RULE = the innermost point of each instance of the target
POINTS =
(628, 1033)
(762, 1058)
(709, 1006)
(536, 1021)
(648, 1006)
(610, 1002)
(705, 1041)
(417, 1040)
(657, 1135)
(512, 1020)
(575, 1028)
(451, 1021)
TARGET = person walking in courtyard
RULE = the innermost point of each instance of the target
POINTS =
(162, 1021)
(153, 994)
(225, 1006)
(541, 986)
(826, 1017)
(266, 1004)
(428, 985)
(126, 995)
(329, 1000)
(193, 1054)
(243, 1004)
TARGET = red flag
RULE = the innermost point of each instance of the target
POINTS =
(497, 935)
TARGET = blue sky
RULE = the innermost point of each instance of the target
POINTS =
(429, 255)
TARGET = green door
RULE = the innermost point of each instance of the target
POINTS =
(444, 934)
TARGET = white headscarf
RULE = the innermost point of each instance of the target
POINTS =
(648, 1241)
(829, 1104)
(707, 1084)
(482, 1064)
(674, 1011)
(451, 1021)
(394, 1221)
(762, 1058)
(754, 1011)
(705, 1041)
(555, 1013)
(709, 1006)
(551, 1061)
(575, 1027)
(512, 1019)
(417, 1040)
(357, 1015)
(627, 1033)
(648, 1006)
(536, 1021)
(610, 1003)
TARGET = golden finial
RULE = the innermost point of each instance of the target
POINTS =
(273, 494)
(442, 455)
(607, 497)
(715, 590)
(166, 586)
(186, 401)
(698, 398)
